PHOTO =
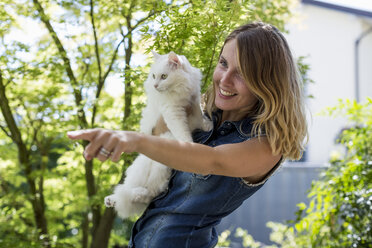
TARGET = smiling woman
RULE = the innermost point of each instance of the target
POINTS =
(256, 76)
(256, 106)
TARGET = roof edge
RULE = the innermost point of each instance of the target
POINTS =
(354, 11)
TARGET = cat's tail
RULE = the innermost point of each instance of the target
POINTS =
(128, 202)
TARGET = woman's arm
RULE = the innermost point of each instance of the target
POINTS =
(250, 159)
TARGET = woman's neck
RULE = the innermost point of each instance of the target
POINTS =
(232, 116)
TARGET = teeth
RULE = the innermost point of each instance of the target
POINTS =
(226, 93)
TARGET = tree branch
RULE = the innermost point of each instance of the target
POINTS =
(15, 134)
(112, 60)
(30, 123)
(103, 79)
(87, 66)
(9, 81)
(95, 40)
(4, 185)
(5, 131)
(153, 13)
(78, 97)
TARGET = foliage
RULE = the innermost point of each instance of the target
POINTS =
(196, 31)
(58, 79)
(303, 71)
(340, 210)
(246, 239)
(223, 240)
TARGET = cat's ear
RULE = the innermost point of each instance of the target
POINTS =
(156, 55)
(174, 61)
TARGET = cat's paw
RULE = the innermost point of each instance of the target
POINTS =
(140, 195)
(110, 201)
(207, 124)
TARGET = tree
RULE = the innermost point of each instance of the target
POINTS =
(51, 196)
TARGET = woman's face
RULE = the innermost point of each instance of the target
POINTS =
(231, 90)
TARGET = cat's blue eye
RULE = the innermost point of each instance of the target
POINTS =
(153, 76)
(164, 76)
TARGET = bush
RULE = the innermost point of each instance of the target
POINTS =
(340, 209)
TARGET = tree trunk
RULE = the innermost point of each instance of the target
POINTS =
(91, 187)
(85, 231)
(128, 91)
(102, 236)
(38, 205)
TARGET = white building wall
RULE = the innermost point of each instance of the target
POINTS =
(365, 62)
(327, 37)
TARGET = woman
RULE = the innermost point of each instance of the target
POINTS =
(257, 109)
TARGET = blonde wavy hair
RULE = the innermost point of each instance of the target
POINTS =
(267, 65)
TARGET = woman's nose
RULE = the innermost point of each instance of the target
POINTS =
(226, 78)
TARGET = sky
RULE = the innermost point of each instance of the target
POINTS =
(356, 4)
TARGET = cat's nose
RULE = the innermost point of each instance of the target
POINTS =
(156, 86)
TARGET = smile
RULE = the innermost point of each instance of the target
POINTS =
(226, 93)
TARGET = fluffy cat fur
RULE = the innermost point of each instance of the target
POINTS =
(172, 111)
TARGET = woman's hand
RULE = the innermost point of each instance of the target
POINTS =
(106, 144)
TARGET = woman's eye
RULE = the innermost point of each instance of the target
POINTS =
(164, 76)
(223, 63)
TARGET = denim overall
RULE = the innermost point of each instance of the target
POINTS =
(185, 215)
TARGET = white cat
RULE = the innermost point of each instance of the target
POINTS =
(173, 111)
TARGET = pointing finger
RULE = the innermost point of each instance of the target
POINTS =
(87, 134)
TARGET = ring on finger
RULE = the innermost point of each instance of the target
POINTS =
(104, 152)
